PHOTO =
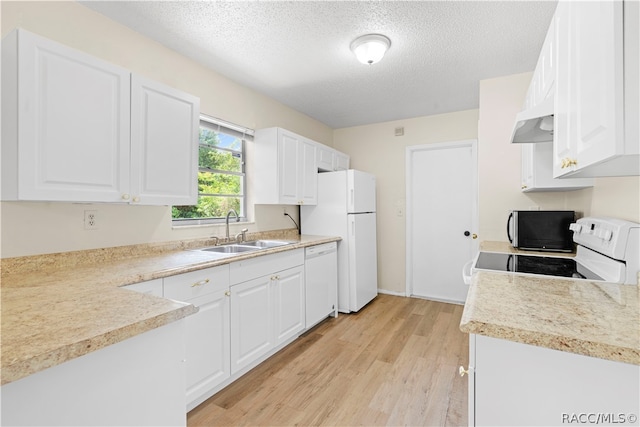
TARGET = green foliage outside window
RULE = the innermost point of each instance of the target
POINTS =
(220, 177)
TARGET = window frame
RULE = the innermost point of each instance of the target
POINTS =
(245, 134)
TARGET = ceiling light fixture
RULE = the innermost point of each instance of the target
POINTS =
(370, 48)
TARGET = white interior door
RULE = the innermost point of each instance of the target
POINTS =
(441, 218)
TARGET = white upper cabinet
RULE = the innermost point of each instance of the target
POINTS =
(596, 133)
(74, 131)
(285, 170)
(340, 161)
(537, 170)
(164, 144)
(324, 158)
(329, 160)
(65, 116)
(543, 81)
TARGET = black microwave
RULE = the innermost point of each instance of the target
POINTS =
(541, 230)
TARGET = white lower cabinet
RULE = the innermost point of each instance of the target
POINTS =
(289, 304)
(267, 306)
(135, 382)
(247, 310)
(251, 321)
(519, 384)
(207, 336)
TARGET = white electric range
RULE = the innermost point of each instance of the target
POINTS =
(608, 249)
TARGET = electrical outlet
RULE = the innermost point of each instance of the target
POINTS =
(91, 220)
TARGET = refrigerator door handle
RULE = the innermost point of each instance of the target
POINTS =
(351, 203)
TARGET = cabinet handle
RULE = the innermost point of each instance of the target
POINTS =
(200, 283)
(463, 371)
(227, 293)
(524, 186)
(125, 196)
(136, 199)
(474, 236)
(566, 162)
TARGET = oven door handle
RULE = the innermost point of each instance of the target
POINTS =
(511, 263)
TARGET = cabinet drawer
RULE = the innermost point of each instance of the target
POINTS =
(185, 287)
(151, 287)
(242, 271)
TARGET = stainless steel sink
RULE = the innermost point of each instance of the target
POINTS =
(237, 248)
(230, 249)
(264, 244)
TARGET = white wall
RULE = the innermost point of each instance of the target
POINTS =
(375, 149)
(37, 228)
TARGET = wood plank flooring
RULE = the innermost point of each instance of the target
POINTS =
(393, 363)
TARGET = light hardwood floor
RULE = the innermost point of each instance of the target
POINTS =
(393, 363)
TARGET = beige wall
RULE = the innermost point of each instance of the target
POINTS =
(36, 228)
(375, 149)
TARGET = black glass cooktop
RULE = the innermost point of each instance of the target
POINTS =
(546, 266)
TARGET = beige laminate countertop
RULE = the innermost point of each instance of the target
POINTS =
(597, 319)
(61, 306)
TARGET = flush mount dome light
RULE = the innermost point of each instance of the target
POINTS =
(370, 48)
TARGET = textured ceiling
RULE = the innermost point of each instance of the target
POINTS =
(297, 52)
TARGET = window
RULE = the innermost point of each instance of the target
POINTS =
(221, 174)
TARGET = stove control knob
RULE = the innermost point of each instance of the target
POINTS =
(607, 235)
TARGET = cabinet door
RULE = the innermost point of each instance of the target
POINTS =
(289, 305)
(527, 166)
(562, 122)
(164, 144)
(537, 172)
(208, 342)
(340, 161)
(521, 384)
(288, 181)
(207, 331)
(73, 124)
(546, 63)
(251, 322)
(307, 173)
(324, 158)
(589, 106)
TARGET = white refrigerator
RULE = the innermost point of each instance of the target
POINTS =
(347, 208)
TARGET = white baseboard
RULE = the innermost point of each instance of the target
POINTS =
(387, 292)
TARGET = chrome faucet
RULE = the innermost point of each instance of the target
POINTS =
(231, 211)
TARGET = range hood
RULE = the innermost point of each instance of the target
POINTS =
(534, 124)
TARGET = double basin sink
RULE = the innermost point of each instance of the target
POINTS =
(252, 246)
